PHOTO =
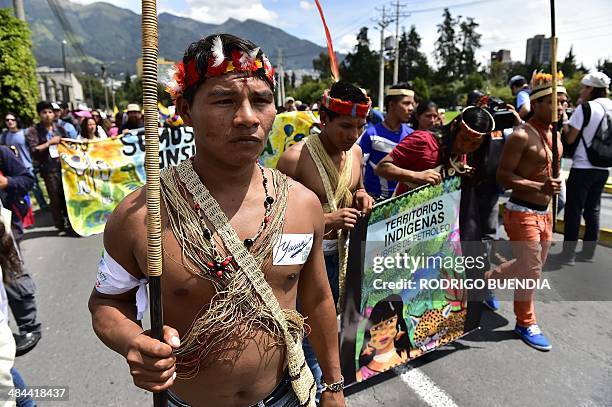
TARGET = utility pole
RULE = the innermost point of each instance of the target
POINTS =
(382, 23)
(19, 10)
(281, 73)
(398, 6)
(279, 85)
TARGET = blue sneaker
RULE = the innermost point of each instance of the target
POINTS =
(533, 336)
(491, 301)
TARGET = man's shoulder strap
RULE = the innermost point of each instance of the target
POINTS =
(586, 114)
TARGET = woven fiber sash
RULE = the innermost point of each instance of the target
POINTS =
(335, 195)
(302, 380)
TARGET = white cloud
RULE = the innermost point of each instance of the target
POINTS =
(213, 11)
(306, 5)
(345, 44)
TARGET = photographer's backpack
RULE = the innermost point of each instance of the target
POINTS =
(599, 152)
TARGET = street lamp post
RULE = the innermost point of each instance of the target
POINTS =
(64, 57)
(103, 68)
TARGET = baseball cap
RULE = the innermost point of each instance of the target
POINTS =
(133, 107)
(515, 79)
(596, 80)
(289, 99)
(55, 106)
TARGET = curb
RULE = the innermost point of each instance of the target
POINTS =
(605, 234)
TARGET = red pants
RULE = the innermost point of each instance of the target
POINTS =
(530, 236)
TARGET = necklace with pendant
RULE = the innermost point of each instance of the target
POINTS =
(220, 265)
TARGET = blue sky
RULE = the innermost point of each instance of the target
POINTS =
(503, 23)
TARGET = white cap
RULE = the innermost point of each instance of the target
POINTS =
(596, 80)
(289, 99)
(133, 107)
(56, 106)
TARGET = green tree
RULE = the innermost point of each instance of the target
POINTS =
(605, 66)
(93, 90)
(569, 66)
(421, 89)
(18, 85)
(361, 65)
(448, 55)
(470, 42)
(311, 91)
(472, 82)
(322, 65)
(572, 85)
(412, 63)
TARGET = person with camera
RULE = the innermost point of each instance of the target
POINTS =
(586, 180)
(520, 88)
(526, 167)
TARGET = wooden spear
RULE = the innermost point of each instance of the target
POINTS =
(555, 117)
(149, 102)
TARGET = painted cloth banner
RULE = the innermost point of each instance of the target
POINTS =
(288, 129)
(398, 306)
(98, 174)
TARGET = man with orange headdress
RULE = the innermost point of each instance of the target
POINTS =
(526, 168)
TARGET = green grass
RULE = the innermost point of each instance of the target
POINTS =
(450, 115)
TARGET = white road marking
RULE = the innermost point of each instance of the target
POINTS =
(425, 388)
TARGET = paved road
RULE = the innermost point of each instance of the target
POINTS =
(489, 367)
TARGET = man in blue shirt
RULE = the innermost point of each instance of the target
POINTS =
(520, 88)
(380, 139)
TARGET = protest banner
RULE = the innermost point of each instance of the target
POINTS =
(400, 303)
(288, 129)
(98, 174)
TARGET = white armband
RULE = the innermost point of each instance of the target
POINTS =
(113, 279)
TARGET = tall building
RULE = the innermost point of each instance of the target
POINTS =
(539, 50)
(501, 56)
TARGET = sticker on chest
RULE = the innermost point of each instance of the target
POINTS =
(292, 249)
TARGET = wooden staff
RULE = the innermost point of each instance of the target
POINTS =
(149, 102)
(555, 117)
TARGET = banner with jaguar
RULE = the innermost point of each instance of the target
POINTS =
(98, 174)
(404, 295)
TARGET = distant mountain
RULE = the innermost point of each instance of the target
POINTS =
(110, 36)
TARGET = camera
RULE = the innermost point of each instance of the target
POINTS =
(504, 118)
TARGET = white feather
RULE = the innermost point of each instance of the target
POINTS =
(253, 53)
(217, 51)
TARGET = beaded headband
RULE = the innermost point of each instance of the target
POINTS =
(185, 76)
(346, 108)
